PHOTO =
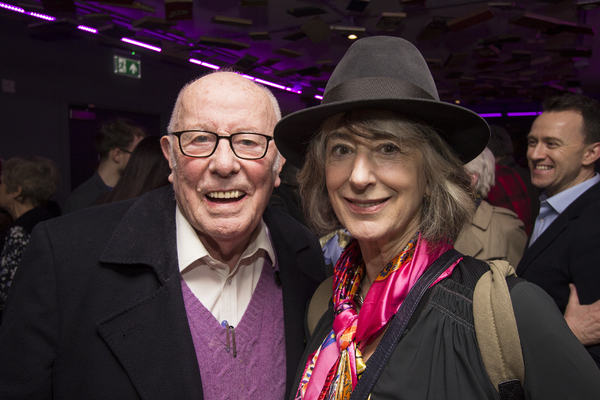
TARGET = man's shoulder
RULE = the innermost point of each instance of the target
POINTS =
(108, 215)
(86, 194)
(587, 203)
(503, 213)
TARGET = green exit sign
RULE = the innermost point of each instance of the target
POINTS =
(128, 67)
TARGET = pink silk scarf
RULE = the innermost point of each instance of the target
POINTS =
(334, 369)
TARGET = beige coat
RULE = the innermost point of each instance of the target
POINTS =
(495, 234)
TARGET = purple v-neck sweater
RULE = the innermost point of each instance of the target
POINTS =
(258, 369)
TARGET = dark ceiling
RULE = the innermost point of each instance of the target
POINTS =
(479, 52)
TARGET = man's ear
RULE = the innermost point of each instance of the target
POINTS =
(116, 155)
(278, 169)
(165, 145)
(591, 154)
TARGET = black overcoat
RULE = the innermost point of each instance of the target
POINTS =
(96, 308)
(568, 251)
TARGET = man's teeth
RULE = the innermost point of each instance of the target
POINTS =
(232, 194)
(543, 167)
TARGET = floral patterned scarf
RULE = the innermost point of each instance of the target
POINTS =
(333, 370)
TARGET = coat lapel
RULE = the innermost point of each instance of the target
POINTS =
(151, 337)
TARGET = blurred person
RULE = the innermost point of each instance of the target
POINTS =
(147, 169)
(495, 233)
(562, 252)
(194, 290)
(27, 182)
(382, 157)
(115, 141)
(5, 218)
(508, 191)
(286, 195)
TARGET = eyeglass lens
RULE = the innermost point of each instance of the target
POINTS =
(244, 145)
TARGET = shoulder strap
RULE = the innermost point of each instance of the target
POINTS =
(319, 303)
(496, 331)
(392, 335)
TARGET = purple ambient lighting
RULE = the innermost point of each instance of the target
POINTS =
(141, 44)
(41, 16)
(318, 97)
(193, 60)
(12, 8)
(490, 115)
(293, 90)
(270, 84)
(523, 114)
(87, 29)
(207, 65)
(262, 81)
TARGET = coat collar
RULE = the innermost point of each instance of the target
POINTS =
(146, 235)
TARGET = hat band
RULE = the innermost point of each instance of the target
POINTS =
(374, 88)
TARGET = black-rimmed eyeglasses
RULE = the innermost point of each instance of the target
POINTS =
(200, 144)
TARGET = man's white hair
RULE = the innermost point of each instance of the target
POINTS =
(175, 115)
(484, 166)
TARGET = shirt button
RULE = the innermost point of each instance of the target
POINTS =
(228, 281)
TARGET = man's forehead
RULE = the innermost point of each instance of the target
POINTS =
(241, 102)
(558, 125)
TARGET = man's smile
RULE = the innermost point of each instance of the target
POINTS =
(226, 196)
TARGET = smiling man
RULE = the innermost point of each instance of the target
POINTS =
(192, 291)
(563, 251)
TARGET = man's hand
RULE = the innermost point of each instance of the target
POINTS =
(584, 321)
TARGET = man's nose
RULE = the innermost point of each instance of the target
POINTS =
(536, 152)
(224, 161)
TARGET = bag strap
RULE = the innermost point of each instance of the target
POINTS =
(392, 335)
(497, 333)
(319, 303)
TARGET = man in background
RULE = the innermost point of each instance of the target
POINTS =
(114, 142)
(508, 191)
(563, 252)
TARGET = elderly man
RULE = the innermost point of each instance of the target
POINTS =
(563, 252)
(192, 291)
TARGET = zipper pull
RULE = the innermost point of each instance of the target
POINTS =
(230, 331)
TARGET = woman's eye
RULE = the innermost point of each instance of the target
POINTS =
(389, 148)
(340, 150)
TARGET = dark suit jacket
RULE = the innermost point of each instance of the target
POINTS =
(568, 251)
(96, 309)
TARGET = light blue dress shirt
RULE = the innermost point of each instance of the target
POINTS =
(550, 208)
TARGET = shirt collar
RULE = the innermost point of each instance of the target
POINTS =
(562, 200)
(191, 249)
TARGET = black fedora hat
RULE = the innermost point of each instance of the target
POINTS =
(383, 72)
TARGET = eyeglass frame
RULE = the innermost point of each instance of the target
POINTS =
(219, 137)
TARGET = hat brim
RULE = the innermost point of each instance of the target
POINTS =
(464, 131)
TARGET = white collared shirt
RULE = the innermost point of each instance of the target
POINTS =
(225, 293)
(552, 207)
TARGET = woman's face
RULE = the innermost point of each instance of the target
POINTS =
(5, 197)
(376, 187)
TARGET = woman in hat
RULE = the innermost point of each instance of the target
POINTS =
(382, 157)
